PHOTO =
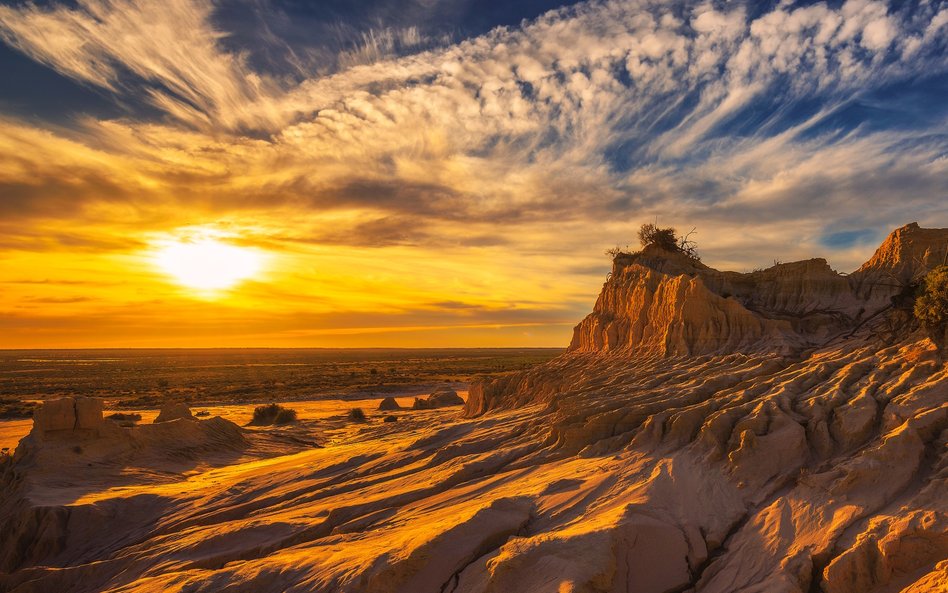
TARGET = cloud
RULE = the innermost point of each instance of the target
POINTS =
(537, 146)
(169, 45)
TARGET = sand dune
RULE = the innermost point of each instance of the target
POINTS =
(780, 431)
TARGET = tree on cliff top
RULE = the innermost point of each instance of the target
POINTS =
(664, 238)
(931, 306)
(650, 234)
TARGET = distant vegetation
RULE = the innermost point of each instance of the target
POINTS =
(147, 378)
(14, 409)
(124, 417)
(931, 305)
(356, 415)
(272, 414)
(651, 235)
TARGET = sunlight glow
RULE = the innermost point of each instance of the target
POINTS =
(208, 264)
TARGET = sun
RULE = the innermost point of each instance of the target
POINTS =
(206, 264)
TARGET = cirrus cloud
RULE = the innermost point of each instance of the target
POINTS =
(770, 129)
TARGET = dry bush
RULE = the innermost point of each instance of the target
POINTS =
(650, 234)
(272, 414)
(124, 417)
(931, 305)
(356, 415)
(665, 238)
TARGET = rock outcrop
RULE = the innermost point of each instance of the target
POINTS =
(898, 262)
(172, 410)
(813, 393)
(70, 429)
(440, 397)
(62, 417)
(389, 404)
(658, 302)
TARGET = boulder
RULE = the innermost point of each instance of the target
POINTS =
(445, 396)
(174, 411)
(388, 404)
(439, 398)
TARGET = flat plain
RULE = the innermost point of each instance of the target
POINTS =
(143, 379)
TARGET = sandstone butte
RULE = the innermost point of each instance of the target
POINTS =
(778, 431)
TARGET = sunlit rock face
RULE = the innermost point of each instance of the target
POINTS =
(657, 302)
(643, 311)
(174, 411)
(68, 415)
(707, 432)
(808, 396)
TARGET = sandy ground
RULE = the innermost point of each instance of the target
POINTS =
(11, 431)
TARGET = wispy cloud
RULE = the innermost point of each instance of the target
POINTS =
(168, 46)
(768, 128)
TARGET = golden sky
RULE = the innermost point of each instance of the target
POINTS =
(416, 187)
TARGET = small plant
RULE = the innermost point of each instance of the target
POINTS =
(356, 415)
(272, 414)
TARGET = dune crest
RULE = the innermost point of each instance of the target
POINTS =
(784, 431)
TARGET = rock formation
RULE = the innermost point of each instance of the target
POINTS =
(63, 417)
(441, 397)
(389, 404)
(444, 396)
(811, 393)
(172, 410)
(783, 431)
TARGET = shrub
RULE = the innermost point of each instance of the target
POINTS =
(650, 234)
(272, 414)
(356, 415)
(931, 305)
(123, 417)
(665, 238)
(390, 418)
(285, 416)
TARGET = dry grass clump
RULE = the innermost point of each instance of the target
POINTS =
(272, 414)
(123, 417)
(356, 415)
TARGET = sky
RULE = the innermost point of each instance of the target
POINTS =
(404, 173)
